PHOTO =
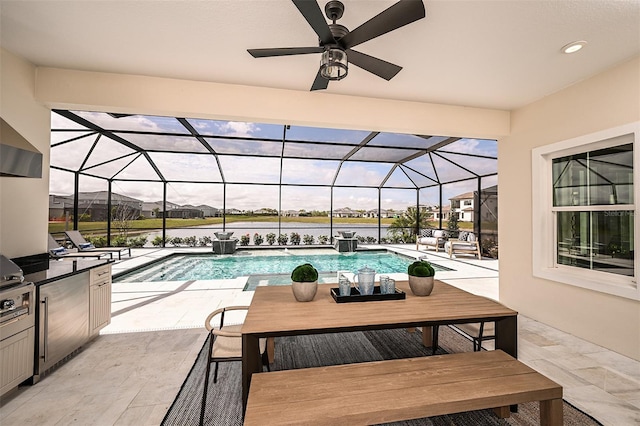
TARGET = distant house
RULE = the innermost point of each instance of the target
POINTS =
(149, 210)
(58, 205)
(464, 205)
(182, 213)
(291, 213)
(265, 212)
(233, 211)
(345, 212)
(209, 211)
(374, 213)
(94, 206)
(446, 214)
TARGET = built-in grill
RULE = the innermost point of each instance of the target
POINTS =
(17, 326)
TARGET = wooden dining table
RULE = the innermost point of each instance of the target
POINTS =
(275, 312)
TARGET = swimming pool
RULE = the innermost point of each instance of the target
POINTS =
(274, 268)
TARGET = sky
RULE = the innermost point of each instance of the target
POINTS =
(110, 158)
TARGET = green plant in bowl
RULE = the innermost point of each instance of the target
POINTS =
(421, 279)
(421, 268)
(304, 273)
(304, 282)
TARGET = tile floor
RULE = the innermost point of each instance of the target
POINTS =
(131, 373)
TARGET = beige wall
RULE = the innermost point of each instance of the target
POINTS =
(607, 100)
(162, 96)
(23, 202)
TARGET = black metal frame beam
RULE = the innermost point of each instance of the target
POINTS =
(92, 129)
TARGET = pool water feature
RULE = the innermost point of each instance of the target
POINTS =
(264, 269)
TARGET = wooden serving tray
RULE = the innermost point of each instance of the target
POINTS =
(375, 297)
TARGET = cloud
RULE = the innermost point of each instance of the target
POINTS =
(474, 146)
(236, 128)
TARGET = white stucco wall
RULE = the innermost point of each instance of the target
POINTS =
(607, 100)
(24, 202)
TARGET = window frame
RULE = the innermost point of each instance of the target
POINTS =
(544, 224)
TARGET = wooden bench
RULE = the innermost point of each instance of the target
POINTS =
(402, 389)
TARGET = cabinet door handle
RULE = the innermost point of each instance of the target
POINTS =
(102, 273)
(102, 285)
(45, 328)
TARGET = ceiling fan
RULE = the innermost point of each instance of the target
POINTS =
(336, 41)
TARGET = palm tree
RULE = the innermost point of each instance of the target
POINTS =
(403, 228)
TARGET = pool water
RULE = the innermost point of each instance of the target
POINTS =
(276, 269)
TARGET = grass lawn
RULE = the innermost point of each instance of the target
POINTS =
(153, 224)
(139, 226)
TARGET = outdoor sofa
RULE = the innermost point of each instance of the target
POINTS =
(432, 238)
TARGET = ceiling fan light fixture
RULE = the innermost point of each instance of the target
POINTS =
(334, 64)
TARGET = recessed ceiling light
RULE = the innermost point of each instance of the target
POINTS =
(573, 47)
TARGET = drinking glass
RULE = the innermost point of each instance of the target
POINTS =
(391, 286)
(384, 284)
(344, 285)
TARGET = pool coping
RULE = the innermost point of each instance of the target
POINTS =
(167, 253)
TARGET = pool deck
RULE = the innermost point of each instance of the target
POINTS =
(131, 374)
(185, 304)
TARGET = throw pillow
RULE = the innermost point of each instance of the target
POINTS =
(60, 251)
(462, 236)
(86, 246)
(471, 237)
(427, 232)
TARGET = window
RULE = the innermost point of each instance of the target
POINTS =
(585, 235)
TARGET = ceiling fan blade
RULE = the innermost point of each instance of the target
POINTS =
(283, 51)
(320, 83)
(400, 14)
(314, 16)
(376, 66)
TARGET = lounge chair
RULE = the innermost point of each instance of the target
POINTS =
(83, 245)
(56, 251)
(466, 243)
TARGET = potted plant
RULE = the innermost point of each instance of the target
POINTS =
(421, 275)
(295, 238)
(304, 282)
(282, 239)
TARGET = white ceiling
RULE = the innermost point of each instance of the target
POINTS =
(493, 54)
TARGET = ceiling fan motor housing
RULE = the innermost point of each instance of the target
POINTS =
(338, 31)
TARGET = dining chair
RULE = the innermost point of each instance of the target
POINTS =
(478, 332)
(225, 344)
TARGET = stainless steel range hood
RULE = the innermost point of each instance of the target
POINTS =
(18, 158)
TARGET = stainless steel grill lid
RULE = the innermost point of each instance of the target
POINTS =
(10, 273)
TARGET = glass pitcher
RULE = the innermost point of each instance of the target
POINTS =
(365, 280)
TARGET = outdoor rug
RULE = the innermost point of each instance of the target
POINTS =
(224, 399)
